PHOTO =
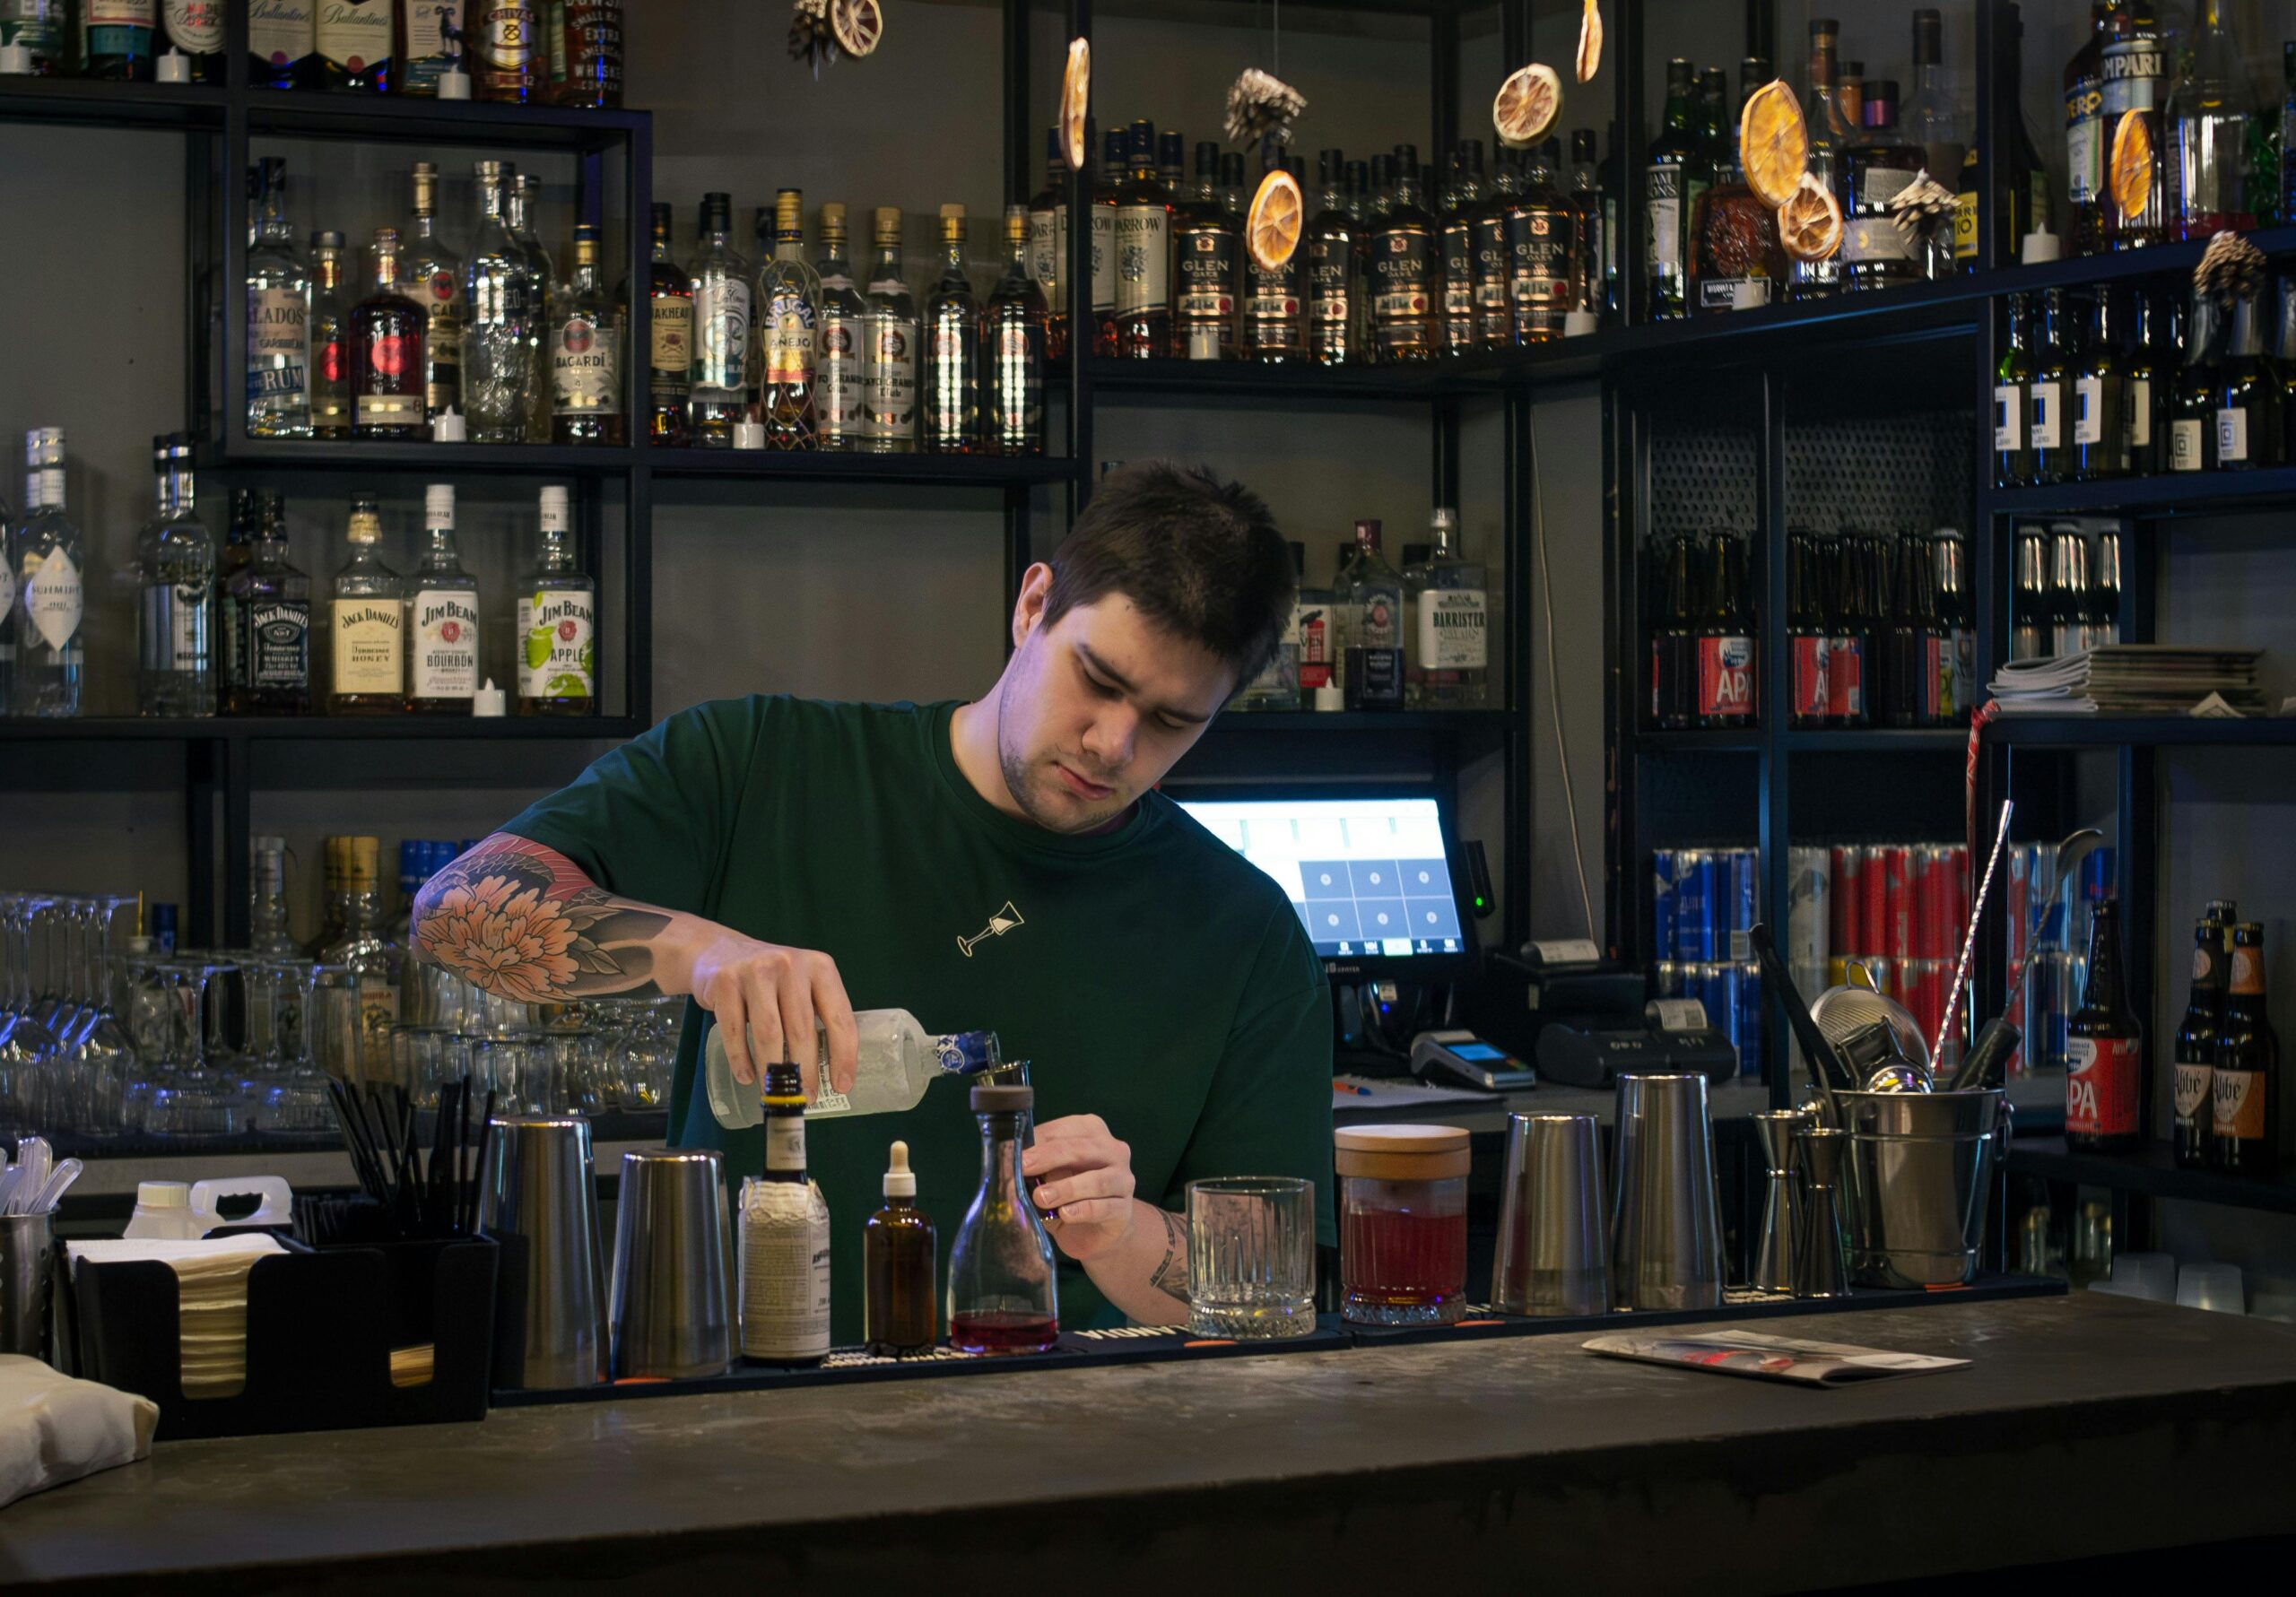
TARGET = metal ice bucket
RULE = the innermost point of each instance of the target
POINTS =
(1922, 1167)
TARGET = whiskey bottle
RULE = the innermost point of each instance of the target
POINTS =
(366, 625)
(1591, 241)
(1332, 245)
(2020, 183)
(720, 385)
(175, 567)
(951, 424)
(497, 310)
(2086, 136)
(283, 43)
(1363, 205)
(433, 276)
(556, 622)
(521, 204)
(669, 344)
(1144, 246)
(1829, 130)
(2012, 441)
(1171, 165)
(844, 336)
(2101, 424)
(1665, 181)
(1108, 189)
(1048, 243)
(2147, 366)
(267, 626)
(586, 368)
(355, 41)
(586, 54)
(2244, 1087)
(1207, 246)
(2134, 70)
(387, 354)
(1494, 259)
(1877, 250)
(2050, 439)
(1402, 268)
(443, 663)
(2192, 1097)
(42, 29)
(504, 32)
(1735, 260)
(47, 556)
(429, 44)
(2192, 398)
(789, 320)
(238, 552)
(193, 29)
(278, 303)
(1462, 207)
(330, 331)
(1447, 599)
(1538, 232)
(1013, 337)
(1714, 148)
(889, 365)
(115, 39)
(2248, 396)
(1275, 304)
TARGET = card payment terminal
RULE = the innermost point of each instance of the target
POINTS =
(1461, 1058)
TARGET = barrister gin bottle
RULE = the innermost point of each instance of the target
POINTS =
(175, 558)
(49, 557)
(366, 625)
(444, 669)
(556, 622)
(1449, 601)
(279, 304)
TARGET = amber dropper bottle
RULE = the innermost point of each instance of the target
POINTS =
(898, 1253)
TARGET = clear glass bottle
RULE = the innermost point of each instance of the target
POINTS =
(951, 424)
(586, 364)
(279, 305)
(788, 312)
(366, 625)
(432, 275)
(443, 631)
(1666, 195)
(1049, 242)
(1144, 253)
(1004, 1295)
(268, 930)
(1931, 119)
(49, 562)
(365, 946)
(669, 343)
(1448, 599)
(1370, 596)
(897, 1062)
(266, 627)
(837, 369)
(521, 206)
(175, 565)
(1404, 266)
(1207, 257)
(2135, 79)
(1333, 287)
(2207, 124)
(555, 623)
(721, 327)
(1275, 318)
(899, 1256)
(329, 323)
(1012, 351)
(386, 368)
(43, 28)
(1829, 130)
(888, 367)
(498, 309)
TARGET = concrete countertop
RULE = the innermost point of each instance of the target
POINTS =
(2086, 1426)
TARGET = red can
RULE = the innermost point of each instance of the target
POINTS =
(1897, 901)
(1848, 930)
(1933, 901)
(1957, 878)
(1920, 986)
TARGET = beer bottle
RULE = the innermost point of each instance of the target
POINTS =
(2247, 1131)
(2030, 632)
(1806, 631)
(2105, 1050)
(1846, 655)
(1725, 640)
(1674, 638)
(2050, 458)
(1911, 640)
(2068, 590)
(2196, 1045)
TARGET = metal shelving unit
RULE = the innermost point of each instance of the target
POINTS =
(2152, 1173)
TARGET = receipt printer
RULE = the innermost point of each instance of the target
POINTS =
(1581, 1019)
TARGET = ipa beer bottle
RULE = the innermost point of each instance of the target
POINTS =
(2196, 1045)
(2104, 1080)
(2247, 1139)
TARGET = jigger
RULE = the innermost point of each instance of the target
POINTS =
(1552, 1252)
(1821, 1265)
(1781, 1213)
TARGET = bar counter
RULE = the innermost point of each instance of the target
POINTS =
(2087, 1426)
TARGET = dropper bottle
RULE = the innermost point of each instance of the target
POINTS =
(897, 1253)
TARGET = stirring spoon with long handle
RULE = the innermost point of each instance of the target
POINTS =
(1968, 938)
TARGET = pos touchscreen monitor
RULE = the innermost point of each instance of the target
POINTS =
(1373, 876)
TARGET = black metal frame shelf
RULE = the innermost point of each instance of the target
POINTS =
(1443, 724)
(2186, 493)
(2151, 1172)
(246, 729)
(308, 455)
(1876, 740)
(814, 465)
(2156, 732)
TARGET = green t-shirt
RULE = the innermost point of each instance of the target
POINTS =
(1152, 976)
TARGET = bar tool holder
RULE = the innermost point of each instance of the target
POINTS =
(1822, 1266)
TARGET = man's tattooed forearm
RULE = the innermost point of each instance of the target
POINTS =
(1171, 1275)
(522, 922)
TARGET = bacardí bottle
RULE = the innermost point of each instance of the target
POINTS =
(2197, 1037)
(1403, 265)
(2245, 1085)
(950, 367)
(838, 370)
(556, 622)
(586, 359)
(444, 669)
(1207, 254)
(2105, 1050)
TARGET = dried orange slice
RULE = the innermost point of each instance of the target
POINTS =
(1773, 143)
(1075, 101)
(1528, 103)
(1590, 43)
(1809, 223)
(2132, 170)
(1272, 226)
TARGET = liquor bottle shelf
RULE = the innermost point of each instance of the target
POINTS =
(2185, 493)
(1462, 724)
(1408, 383)
(1729, 740)
(2151, 1172)
(1877, 740)
(817, 465)
(313, 728)
(2115, 731)
(311, 454)
(176, 106)
(204, 107)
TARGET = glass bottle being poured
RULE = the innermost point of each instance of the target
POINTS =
(1003, 1298)
(899, 1059)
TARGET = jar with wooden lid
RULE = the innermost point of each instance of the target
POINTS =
(1402, 1223)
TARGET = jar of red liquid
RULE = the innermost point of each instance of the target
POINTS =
(1403, 1224)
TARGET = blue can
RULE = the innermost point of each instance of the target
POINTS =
(1740, 898)
(1750, 1019)
(1663, 903)
(1695, 897)
(1716, 988)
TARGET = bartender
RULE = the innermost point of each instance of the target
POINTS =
(1004, 864)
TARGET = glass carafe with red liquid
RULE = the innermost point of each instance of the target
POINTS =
(1003, 1298)
(1402, 1223)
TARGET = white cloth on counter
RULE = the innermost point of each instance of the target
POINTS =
(53, 1429)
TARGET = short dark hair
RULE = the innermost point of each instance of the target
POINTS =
(1199, 558)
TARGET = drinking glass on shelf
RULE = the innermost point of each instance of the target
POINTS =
(331, 1022)
(644, 1053)
(199, 1096)
(1251, 1249)
(26, 1043)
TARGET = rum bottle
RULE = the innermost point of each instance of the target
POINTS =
(2104, 1076)
(1208, 251)
(1539, 236)
(1462, 207)
(899, 1256)
(267, 629)
(788, 321)
(366, 625)
(1403, 267)
(283, 43)
(387, 354)
(2196, 1040)
(503, 33)
(555, 622)
(1275, 303)
(434, 277)
(175, 562)
(444, 666)
(1332, 246)
(1144, 250)
(838, 410)
(330, 334)
(669, 340)
(2087, 135)
(2244, 1087)
(720, 385)
(355, 41)
(1004, 1295)
(889, 368)
(952, 337)
(279, 304)
(2133, 66)
(1013, 339)
(1049, 242)
(1666, 188)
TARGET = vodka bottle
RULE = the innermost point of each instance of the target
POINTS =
(175, 557)
(49, 559)
(899, 1059)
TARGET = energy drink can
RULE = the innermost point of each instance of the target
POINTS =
(1848, 910)
(1897, 901)
(1662, 902)
(1695, 897)
(1742, 899)
(1750, 1019)
(1809, 906)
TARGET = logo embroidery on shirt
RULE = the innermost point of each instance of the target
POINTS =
(1000, 923)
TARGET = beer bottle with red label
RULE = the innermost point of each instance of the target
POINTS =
(1805, 632)
(1911, 641)
(1673, 636)
(2105, 1050)
(2246, 1095)
(1846, 646)
(1725, 640)
(2196, 1060)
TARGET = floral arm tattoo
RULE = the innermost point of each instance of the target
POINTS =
(522, 922)
(1171, 1275)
